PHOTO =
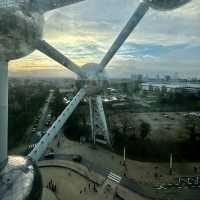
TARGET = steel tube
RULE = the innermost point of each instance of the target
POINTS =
(3, 113)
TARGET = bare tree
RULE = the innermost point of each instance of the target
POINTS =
(192, 125)
(145, 129)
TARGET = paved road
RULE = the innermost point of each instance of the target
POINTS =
(125, 182)
(44, 112)
(32, 138)
(143, 190)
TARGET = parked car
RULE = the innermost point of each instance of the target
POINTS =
(50, 156)
(77, 158)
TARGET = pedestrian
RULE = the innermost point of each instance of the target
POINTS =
(49, 184)
(58, 144)
(55, 188)
(195, 169)
(95, 190)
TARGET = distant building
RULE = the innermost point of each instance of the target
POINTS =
(167, 78)
(9, 4)
(187, 88)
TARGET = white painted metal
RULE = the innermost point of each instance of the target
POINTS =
(33, 22)
(50, 51)
(91, 119)
(3, 112)
(98, 120)
(132, 23)
(41, 147)
(98, 116)
(103, 118)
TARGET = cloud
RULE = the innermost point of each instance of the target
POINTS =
(163, 41)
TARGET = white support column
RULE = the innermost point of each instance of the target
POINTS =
(42, 145)
(92, 119)
(3, 113)
(103, 118)
(98, 121)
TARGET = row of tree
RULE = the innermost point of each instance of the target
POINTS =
(25, 102)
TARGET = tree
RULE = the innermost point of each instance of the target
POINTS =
(192, 125)
(57, 105)
(128, 125)
(76, 126)
(145, 129)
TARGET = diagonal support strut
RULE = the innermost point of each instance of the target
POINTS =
(99, 127)
(42, 145)
(54, 54)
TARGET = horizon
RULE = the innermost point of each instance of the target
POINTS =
(163, 42)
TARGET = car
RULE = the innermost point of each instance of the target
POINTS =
(43, 133)
(77, 158)
(49, 156)
(33, 130)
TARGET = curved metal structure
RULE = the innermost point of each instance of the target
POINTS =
(167, 4)
(21, 26)
(20, 179)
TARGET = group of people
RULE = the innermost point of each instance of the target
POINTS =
(91, 187)
(52, 186)
(125, 168)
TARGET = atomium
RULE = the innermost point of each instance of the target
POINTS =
(21, 28)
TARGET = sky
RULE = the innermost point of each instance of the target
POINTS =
(163, 42)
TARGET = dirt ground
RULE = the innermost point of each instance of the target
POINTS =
(165, 126)
(72, 186)
(143, 172)
(48, 195)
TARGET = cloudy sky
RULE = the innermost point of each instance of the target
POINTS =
(164, 42)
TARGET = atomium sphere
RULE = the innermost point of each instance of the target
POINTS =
(20, 179)
(167, 4)
(19, 33)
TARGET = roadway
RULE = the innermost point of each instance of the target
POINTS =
(32, 138)
(44, 112)
(146, 191)
(106, 172)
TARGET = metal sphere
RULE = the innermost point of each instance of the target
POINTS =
(20, 179)
(19, 33)
(167, 4)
